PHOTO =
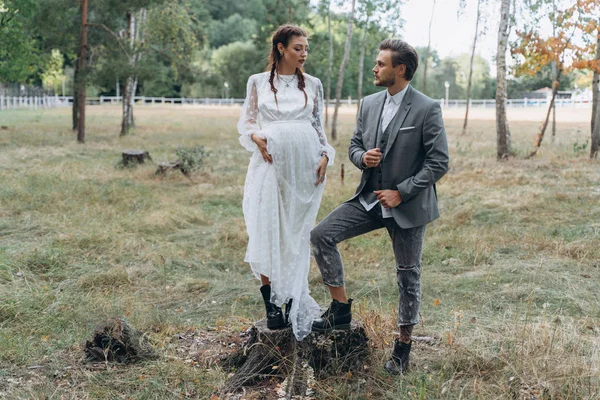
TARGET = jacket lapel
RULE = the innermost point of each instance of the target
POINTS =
(375, 114)
(398, 120)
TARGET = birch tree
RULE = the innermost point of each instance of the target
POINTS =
(470, 79)
(158, 28)
(135, 37)
(371, 13)
(595, 147)
(361, 63)
(342, 70)
(325, 9)
(426, 58)
(503, 139)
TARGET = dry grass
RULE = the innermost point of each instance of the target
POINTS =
(510, 276)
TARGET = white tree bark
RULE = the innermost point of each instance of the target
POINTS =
(343, 65)
(595, 147)
(471, 67)
(329, 66)
(136, 41)
(502, 131)
(361, 64)
(428, 49)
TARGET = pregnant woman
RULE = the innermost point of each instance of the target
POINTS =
(282, 125)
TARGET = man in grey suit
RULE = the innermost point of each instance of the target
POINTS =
(400, 145)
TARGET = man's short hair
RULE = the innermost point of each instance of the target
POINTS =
(402, 53)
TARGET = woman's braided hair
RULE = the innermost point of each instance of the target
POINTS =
(283, 36)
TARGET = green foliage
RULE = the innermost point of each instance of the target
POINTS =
(233, 28)
(52, 75)
(191, 159)
(580, 147)
(173, 35)
(19, 55)
(235, 62)
(19, 52)
(193, 46)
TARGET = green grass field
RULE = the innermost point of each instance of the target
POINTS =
(511, 271)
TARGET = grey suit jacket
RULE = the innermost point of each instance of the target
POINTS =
(415, 157)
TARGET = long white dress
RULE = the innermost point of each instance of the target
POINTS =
(280, 198)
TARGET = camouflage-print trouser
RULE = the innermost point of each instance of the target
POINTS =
(350, 220)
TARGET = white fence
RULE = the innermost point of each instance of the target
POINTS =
(518, 103)
(32, 102)
(13, 102)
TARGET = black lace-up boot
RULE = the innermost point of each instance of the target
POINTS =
(288, 307)
(398, 364)
(337, 316)
(274, 314)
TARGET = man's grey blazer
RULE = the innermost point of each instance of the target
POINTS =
(415, 157)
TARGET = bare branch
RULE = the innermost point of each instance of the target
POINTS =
(4, 21)
(116, 36)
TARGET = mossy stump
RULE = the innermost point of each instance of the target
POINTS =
(164, 167)
(116, 340)
(134, 157)
(276, 353)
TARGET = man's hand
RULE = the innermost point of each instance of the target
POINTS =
(372, 158)
(262, 146)
(388, 198)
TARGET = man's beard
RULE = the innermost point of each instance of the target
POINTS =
(386, 82)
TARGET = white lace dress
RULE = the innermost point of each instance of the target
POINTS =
(280, 198)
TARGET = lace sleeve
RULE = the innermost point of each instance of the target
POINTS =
(317, 123)
(248, 123)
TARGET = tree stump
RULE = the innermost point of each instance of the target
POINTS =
(116, 340)
(134, 157)
(276, 353)
(164, 167)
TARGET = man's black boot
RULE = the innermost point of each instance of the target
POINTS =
(398, 364)
(274, 315)
(337, 316)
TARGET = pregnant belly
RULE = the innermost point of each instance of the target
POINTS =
(294, 147)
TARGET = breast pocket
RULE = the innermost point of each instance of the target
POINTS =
(407, 130)
(408, 137)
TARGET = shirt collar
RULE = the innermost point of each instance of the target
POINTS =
(397, 98)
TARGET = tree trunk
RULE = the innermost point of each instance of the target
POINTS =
(540, 136)
(427, 52)
(136, 41)
(502, 131)
(129, 89)
(361, 65)
(329, 66)
(596, 103)
(471, 67)
(82, 74)
(596, 134)
(554, 72)
(343, 65)
(75, 109)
